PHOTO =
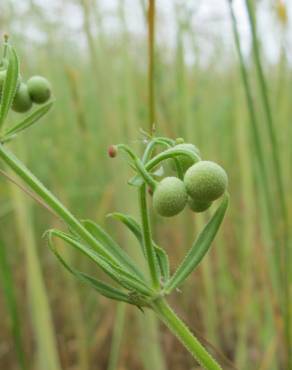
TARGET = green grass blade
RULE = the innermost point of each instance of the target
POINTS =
(28, 121)
(199, 248)
(135, 228)
(46, 353)
(104, 238)
(163, 262)
(130, 223)
(10, 85)
(115, 272)
(117, 338)
(283, 225)
(9, 293)
(102, 288)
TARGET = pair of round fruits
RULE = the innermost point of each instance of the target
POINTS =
(203, 182)
(36, 90)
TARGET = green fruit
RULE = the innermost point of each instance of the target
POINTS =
(198, 206)
(170, 197)
(205, 181)
(184, 161)
(22, 101)
(39, 89)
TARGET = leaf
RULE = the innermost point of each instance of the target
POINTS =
(102, 288)
(199, 248)
(163, 262)
(28, 121)
(10, 85)
(122, 277)
(130, 222)
(103, 237)
(135, 228)
(136, 181)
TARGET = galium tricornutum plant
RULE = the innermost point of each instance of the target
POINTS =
(195, 184)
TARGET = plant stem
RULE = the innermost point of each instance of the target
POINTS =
(182, 332)
(151, 43)
(267, 107)
(29, 179)
(147, 237)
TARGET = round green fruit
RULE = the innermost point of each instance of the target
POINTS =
(170, 197)
(205, 181)
(22, 101)
(39, 89)
(198, 206)
(185, 161)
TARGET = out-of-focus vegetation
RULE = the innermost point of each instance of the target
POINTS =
(237, 299)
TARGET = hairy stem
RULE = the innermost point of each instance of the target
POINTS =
(31, 180)
(147, 237)
(182, 332)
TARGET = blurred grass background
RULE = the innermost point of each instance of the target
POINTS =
(99, 78)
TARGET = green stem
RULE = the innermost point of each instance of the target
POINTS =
(267, 107)
(29, 179)
(251, 109)
(10, 297)
(279, 182)
(139, 166)
(151, 145)
(182, 332)
(170, 153)
(147, 238)
(117, 338)
(146, 176)
(151, 41)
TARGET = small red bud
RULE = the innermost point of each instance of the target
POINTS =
(150, 191)
(112, 151)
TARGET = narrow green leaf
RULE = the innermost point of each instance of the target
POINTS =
(105, 289)
(10, 85)
(102, 288)
(29, 120)
(9, 294)
(199, 248)
(163, 262)
(122, 277)
(136, 181)
(103, 237)
(135, 228)
(130, 222)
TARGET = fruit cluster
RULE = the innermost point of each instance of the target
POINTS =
(202, 183)
(36, 90)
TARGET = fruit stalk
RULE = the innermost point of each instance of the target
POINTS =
(147, 237)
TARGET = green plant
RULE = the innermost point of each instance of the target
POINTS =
(170, 197)
(39, 89)
(9, 291)
(129, 283)
(184, 161)
(22, 101)
(206, 181)
(198, 205)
